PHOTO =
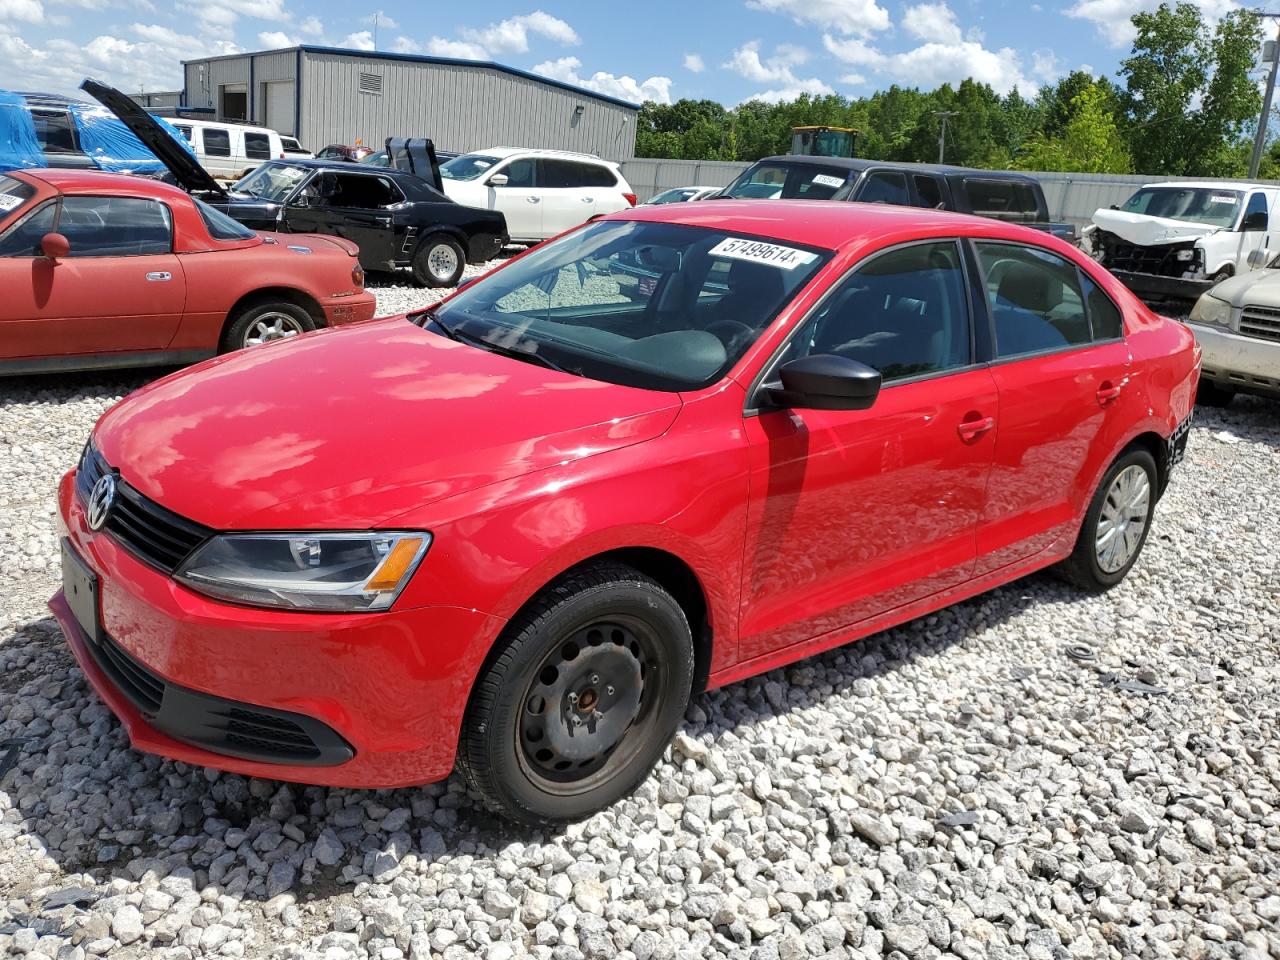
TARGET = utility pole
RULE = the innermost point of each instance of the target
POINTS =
(375, 30)
(1260, 138)
(942, 136)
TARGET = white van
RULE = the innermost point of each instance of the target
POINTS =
(229, 150)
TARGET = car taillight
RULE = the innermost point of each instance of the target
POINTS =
(357, 275)
(630, 198)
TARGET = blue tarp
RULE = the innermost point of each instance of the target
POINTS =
(18, 144)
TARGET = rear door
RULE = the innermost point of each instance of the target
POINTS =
(566, 199)
(121, 289)
(1062, 370)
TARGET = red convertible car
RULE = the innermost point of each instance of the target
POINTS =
(674, 448)
(101, 270)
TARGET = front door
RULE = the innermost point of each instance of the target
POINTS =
(1062, 368)
(519, 199)
(121, 289)
(853, 513)
(356, 206)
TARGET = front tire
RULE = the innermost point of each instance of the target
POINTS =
(265, 321)
(577, 707)
(438, 261)
(1116, 525)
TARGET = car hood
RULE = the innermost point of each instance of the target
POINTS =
(176, 157)
(1258, 287)
(349, 428)
(1144, 231)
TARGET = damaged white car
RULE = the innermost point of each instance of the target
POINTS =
(1176, 240)
(1237, 325)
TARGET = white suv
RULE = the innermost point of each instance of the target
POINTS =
(540, 192)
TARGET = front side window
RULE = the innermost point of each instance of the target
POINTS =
(23, 238)
(115, 226)
(217, 143)
(1036, 300)
(928, 191)
(54, 131)
(904, 313)
(787, 181)
(271, 181)
(1210, 205)
(883, 186)
(469, 166)
(356, 191)
(519, 173)
(257, 146)
(658, 306)
(183, 129)
(289, 143)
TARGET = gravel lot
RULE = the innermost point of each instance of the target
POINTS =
(958, 786)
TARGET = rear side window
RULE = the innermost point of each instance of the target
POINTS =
(257, 146)
(884, 186)
(928, 191)
(1036, 300)
(560, 174)
(23, 239)
(1002, 199)
(115, 226)
(54, 131)
(217, 143)
(905, 313)
(1104, 315)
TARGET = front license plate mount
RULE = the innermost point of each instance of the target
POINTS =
(80, 587)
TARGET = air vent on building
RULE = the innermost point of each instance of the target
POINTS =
(370, 83)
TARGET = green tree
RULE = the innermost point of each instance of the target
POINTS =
(1089, 142)
(1187, 95)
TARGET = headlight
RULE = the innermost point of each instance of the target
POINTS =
(1211, 310)
(307, 571)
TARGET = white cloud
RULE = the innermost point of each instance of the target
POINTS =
(271, 39)
(694, 63)
(813, 86)
(405, 45)
(565, 69)
(853, 79)
(932, 22)
(360, 40)
(512, 35)
(311, 26)
(848, 17)
(217, 18)
(440, 47)
(25, 11)
(1044, 66)
(1112, 17)
(856, 52)
(383, 20)
(747, 62)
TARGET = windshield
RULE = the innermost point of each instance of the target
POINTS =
(221, 226)
(379, 159)
(271, 181)
(660, 306)
(1211, 205)
(13, 194)
(678, 195)
(790, 181)
(467, 167)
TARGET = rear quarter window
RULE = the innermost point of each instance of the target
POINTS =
(217, 143)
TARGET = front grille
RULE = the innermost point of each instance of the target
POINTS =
(216, 724)
(1159, 259)
(155, 535)
(1261, 322)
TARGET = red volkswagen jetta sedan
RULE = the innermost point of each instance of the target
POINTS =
(674, 448)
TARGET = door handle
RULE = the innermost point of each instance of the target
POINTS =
(1109, 392)
(160, 275)
(588, 199)
(532, 199)
(972, 429)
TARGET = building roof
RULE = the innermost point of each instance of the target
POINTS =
(419, 58)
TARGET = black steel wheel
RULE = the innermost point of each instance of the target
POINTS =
(580, 702)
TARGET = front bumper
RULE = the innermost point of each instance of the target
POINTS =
(392, 686)
(1249, 364)
(1157, 286)
(351, 309)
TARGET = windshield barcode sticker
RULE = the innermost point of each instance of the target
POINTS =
(824, 180)
(1222, 198)
(788, 258)
(9, 202)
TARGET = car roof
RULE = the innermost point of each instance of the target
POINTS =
(229, 124)
(1213, 184)
(847, 164)
(96, 181)
(504, 152)
(830, 225)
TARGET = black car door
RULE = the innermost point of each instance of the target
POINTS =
(357, 206)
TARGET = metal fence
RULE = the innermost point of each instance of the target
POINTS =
(1071, 197)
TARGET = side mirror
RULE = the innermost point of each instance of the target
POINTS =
(497, 180)
(55, 246)
(825, 381)
(1255, 221)
(1259, 259)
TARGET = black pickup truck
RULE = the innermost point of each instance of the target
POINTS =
(1001, 194)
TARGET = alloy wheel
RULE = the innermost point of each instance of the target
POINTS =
(1123, 519)
(272, 326)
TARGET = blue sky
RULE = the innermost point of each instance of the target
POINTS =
(727, 50)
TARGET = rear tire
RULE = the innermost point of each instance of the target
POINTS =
(438, 261)
(578, 705)
(264, 321)
(1115, 526)
(1210, 394)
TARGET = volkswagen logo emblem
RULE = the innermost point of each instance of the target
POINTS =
(101, 500)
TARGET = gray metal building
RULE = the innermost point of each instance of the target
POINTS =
(160, 100)
(328, 95)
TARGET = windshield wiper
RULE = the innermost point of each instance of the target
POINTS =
(453, 333)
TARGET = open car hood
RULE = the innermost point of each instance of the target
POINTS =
(184, 167)
(1144, 231)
